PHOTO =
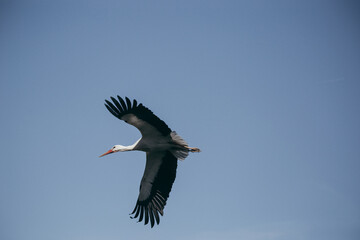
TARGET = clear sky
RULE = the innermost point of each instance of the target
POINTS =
(269, 90)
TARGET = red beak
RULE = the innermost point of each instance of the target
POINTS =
(108, 152)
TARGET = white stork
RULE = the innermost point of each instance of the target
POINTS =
(162, 146)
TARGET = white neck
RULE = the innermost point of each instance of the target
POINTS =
(131, 147)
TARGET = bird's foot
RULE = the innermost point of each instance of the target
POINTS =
(193, 149)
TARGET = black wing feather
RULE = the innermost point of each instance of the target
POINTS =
(111, 110)
(119, 108)
(137, 209)
(147, 214)
(157, 218)
(113, 107)
(128, 102)
(160, 191)
(151, 213)
(117, 104)
(122, 103)
(141, 213)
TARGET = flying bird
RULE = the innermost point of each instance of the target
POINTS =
(163, 148)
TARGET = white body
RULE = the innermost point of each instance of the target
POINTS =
(153, 141)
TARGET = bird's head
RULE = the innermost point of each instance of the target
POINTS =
(116, 148)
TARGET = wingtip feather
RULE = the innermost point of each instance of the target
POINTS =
(117, 104)
(141, 213)
(122, 102)
(146, 215)
(128, 102)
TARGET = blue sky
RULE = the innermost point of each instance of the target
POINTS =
(269, 90)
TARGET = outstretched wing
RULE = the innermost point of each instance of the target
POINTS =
(156, 184)
(137, 115)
